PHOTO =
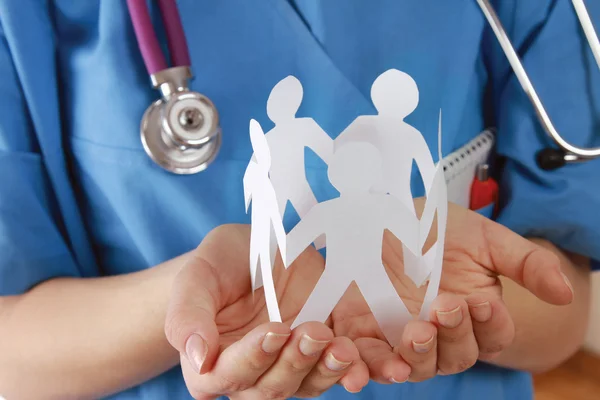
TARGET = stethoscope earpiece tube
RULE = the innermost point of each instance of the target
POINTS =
(180, 55)
(146, 36)
(547, 157)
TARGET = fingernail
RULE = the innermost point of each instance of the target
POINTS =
(423, 347)
(274, 342)
(195, 350)
(395, 381)
(352, 391)
(568, 282)
(481, 312)
(334, 364)
(311, 347)
(450, 319)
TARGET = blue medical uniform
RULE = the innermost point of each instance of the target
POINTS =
(79, 197)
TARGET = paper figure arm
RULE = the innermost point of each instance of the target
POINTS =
(435, 195)
(424, 161)
(276, 221)
(358, 131)
(320, 142)
(305, 232)
(248, 182)
(402, 223)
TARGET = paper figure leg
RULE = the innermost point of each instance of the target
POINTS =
(273, 256)
(385, 304)
(411, 264)
(439, 203)
(329, 290)
(281, 204)
(414, 266)
(302, 202)
(434, 285)
(436, 262)
(418, 268)
(255, 239)
(273, 246)
(269, 285)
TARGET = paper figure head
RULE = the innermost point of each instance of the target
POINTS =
(355, 167)
(285, 99)
(260, 145)
(395, 93)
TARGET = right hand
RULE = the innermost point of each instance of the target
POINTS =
(226, 343)
(469, 319)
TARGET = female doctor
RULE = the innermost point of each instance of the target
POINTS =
(99, 245)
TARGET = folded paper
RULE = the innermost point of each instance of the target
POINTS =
(370, 165)
(265, 218)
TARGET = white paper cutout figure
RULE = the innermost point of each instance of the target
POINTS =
(265, 218)
(287, 141)
(437, 200)
(395, 95)
(364, 169)
(354, 224)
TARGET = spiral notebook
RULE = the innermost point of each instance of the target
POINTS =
(460, 166)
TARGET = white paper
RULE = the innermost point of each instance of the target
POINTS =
(395, 96)
(265, 218)
(354, 224)
(434, 258)
(370, 165)
(287, 141)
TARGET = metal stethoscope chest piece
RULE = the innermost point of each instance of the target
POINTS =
(180, 131)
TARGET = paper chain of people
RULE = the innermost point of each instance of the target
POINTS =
(370, 165)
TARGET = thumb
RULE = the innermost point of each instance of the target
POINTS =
(532, 266)
(190, 325)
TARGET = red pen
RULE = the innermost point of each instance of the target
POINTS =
(484, 190)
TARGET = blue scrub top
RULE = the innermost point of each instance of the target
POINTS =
(79, 197)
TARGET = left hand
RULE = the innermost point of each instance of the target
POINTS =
(226, 343)
(469, 320)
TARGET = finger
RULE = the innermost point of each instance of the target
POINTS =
(418, 348)
(356, 378)
(241, 365)
(457, 348)
(384, 365)
(295, 362)
(492, 324)
(335, 362)
(190, 322)
(528, 264)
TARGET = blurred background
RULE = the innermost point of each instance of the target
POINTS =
(579, 377)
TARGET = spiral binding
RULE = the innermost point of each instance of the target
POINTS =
(469, 156)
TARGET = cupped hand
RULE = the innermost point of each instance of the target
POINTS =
(468, 321)
(226, 343)
(228, 347)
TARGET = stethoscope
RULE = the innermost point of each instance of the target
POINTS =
(181, 131)
(550, 158)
